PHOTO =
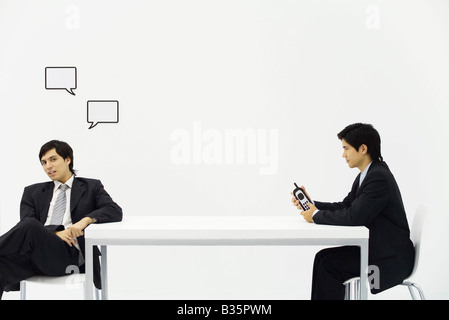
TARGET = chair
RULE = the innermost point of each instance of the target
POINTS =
(70, 280)
(352, 286)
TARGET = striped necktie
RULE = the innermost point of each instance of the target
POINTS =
(60, 206)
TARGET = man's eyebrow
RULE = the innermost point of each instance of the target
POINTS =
(55, 156)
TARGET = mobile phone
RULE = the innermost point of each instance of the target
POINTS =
(302, 197)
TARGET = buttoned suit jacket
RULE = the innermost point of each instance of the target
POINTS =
(376, 204)
(88, 199)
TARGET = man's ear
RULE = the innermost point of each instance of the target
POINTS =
(363, 149)
(67, 161)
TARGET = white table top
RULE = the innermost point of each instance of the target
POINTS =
(219, 228)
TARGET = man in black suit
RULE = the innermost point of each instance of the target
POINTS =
(375, 202)
(49, 239)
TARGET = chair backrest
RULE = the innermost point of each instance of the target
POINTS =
(416, 232)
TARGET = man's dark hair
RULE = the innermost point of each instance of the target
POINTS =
(62, 148)
(361, 133)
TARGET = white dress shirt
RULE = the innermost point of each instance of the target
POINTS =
(363, 175)
(67, 220)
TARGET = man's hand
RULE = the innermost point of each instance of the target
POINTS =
(77, 228)
(308, 215)
(296, 202)
(70, 234)
(67, 237)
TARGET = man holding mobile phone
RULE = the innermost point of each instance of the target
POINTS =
(375, 202)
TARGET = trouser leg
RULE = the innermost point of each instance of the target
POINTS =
(29, 249)
(332, 267)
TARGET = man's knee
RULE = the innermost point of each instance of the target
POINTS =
(29, 224)
(323, 254)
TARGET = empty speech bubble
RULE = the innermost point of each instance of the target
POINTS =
(60, 78)
(102, 111)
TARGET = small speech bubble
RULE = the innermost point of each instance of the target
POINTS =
(60, 78)
(102, 111)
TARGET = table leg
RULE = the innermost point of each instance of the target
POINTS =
(104, 273)
(88, 287)
(364, 270)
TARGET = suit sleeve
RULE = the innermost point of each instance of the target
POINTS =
(27, 206)
(334, 205)
(28, 210)
(372, 199)
(346, 203)
(107, 210)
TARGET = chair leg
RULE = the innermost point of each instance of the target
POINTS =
(410, 289)
(358, 295)
(347, 289)
(420, 291)
(23, 290)
(410, 286)
(352, 289)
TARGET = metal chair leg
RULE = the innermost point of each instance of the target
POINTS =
(410, 286)
(97, 292)
(358, 290)
(352, 289)
(23, 289)
(347, 289)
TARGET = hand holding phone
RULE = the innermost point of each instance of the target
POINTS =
(302, 197)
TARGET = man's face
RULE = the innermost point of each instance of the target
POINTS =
(55, 166)
(354, 158)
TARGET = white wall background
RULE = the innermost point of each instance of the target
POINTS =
(302, 69)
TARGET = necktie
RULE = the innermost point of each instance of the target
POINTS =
(60, 205)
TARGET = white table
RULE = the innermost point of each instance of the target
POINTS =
(218, 231)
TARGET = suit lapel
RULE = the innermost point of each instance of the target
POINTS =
(78, 189)
(44, 200)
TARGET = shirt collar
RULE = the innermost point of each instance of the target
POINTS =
(69, 183)
(363, 174)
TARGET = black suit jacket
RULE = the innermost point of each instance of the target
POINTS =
(377, 205)
(88, 199)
